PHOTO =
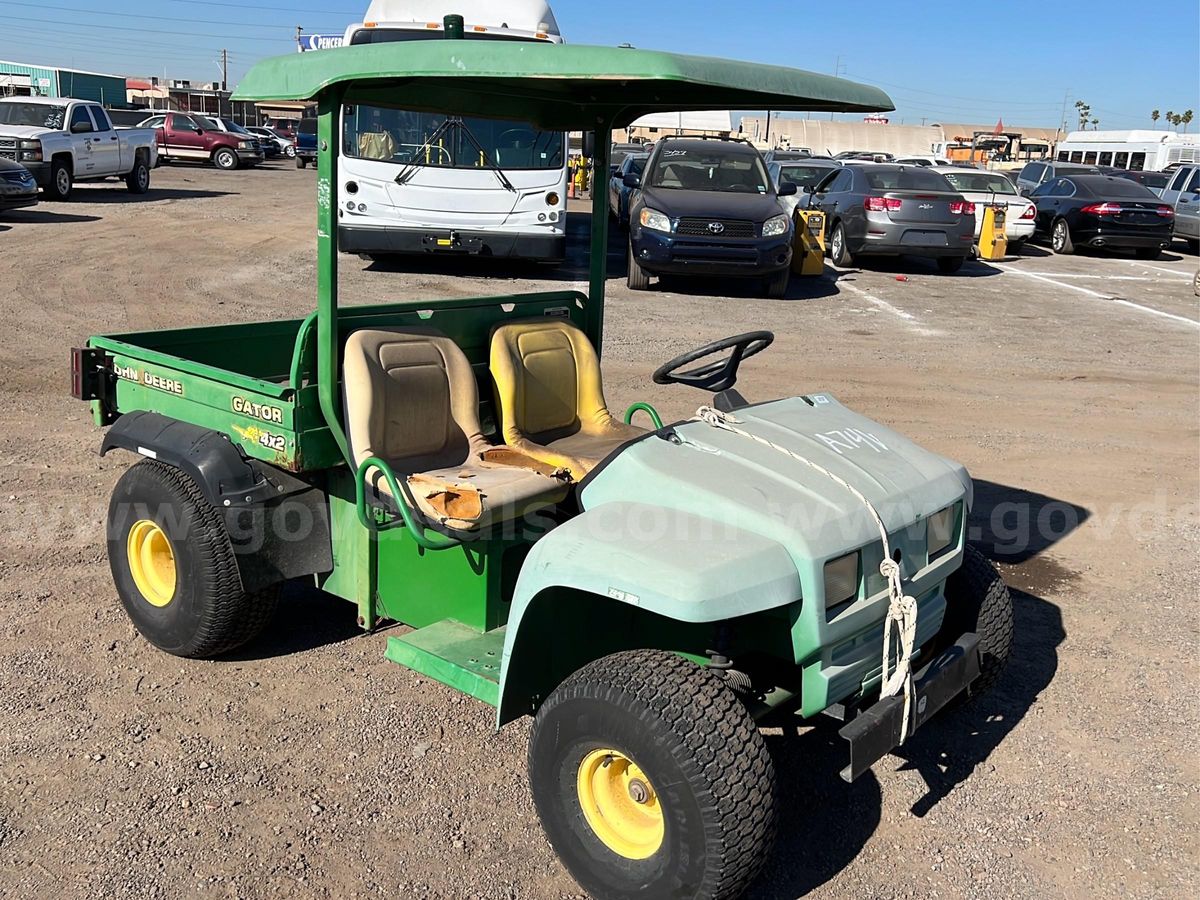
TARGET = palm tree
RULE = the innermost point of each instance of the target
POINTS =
(1170, 117)
(1186, 118)
(1155, 115)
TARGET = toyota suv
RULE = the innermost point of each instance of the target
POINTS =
(708, 207)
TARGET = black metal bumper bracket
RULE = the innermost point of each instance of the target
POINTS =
(875, 732)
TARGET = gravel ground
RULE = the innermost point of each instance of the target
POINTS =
(307, 766)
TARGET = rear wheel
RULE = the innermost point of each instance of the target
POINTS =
(1015, 247)
(290, 151)
(651, 780)
(138, 179)
(776, 285)
(948, 265)
(839, 253)
(174, 566)
(1060, 237)
(301, 162)
(1193, 246)
(978, 601)
(1148, 253)
(638, 278)
(225, 159)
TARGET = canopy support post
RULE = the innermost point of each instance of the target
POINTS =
(328, 348)
(599, 249)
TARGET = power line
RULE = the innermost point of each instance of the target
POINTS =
(54, 38)
(96, 12)
(939, 93)
(224, 37)
(255, 6)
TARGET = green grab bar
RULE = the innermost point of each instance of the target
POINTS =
(440, 542)
(646, 408)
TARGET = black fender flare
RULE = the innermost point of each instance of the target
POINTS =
(278, 523)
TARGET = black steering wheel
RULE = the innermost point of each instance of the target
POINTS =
(716, 376)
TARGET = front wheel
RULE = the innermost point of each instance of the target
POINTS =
(638, 278)
(978, 601)
(174, 566)
(776, 286)
(651, 780)
(839, 252)
(289, 152)
(62, 182)
(301, 162)
(138, 179)
(1060, 238)
(225, 159)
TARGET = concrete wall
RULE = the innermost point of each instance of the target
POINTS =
(824, 136)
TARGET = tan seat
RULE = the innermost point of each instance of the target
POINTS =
(551, 397)
(412, 401)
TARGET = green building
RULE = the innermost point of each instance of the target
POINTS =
(23, 80)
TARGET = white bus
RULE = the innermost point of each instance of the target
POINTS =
(425, 183)
(1138, 151)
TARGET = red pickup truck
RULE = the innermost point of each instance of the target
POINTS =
(191, 136)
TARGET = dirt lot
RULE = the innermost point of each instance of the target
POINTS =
(308, 766)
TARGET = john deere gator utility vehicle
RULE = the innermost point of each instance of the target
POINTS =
(649, 593)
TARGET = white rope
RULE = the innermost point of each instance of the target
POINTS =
(902, 608)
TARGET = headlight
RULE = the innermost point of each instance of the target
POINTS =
(654, 220)
(841, 580)
(246, 145)
(942, 531)
(776, 226)
(29, 151)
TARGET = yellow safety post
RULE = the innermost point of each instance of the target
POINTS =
(993, 240)
(808, 252)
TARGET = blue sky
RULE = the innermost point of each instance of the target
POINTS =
(941, 62)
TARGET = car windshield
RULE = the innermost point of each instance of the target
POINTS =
(236, 128)
(277, 132)
(33, 115)
(979, 182)
(885, 179)
(803, 176)
(734, 169)
(637, 165)
(1116, 188)
(427, 139)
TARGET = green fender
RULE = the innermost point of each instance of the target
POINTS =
(675, 566)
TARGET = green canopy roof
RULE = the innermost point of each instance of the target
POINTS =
(561, 86)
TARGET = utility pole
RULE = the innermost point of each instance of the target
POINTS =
(768, 128)
(299, 37)
(224, 70)
(838, 68)
(1066, 100)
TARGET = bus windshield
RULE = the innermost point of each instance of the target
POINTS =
(426, 139)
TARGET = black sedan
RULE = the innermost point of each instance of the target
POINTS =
(1103, 212)
(18, 188)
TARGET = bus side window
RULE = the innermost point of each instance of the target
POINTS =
(1076, 156)
(1089, 158)
(1063, 156)
(1121, 161)
(1106, 158)
(1137, 162)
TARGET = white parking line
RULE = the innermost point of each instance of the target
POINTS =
(1105, 277)
(1160, 269)
(912, 321)
(1097, 295)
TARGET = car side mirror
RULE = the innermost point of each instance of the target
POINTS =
(80, 128)
(788, 189)
(198, 130)
(631, 181)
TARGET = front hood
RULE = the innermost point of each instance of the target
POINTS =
(738, 483)
(24, 132)
(712, 204)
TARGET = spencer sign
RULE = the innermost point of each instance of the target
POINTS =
(320, 42)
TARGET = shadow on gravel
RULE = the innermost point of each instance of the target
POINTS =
(306, 619)
(117, 194)
(914, 265)
(824, 823)
(40, 216)
(1012, 525)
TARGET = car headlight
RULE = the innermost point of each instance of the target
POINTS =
(841, 580)
(246, 145)
(29, 151)
(776, 226)
(942, 531)
(654, 220)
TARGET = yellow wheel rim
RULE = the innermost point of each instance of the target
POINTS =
(151, 563)
(620, 804)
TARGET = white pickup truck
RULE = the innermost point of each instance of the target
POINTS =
(63, 141)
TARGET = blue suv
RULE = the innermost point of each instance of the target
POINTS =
(708, 207)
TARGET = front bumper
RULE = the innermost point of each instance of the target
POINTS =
(250, 156)
(875, 732)
(18, 201)
(668, 254)
(395, 240)
(40, 172)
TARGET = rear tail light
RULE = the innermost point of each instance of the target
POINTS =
(1166, 212)
(1030, 213)
(1102, 209)
(882, 204)
(961, 208)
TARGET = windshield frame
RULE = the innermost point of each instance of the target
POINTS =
(45, 121)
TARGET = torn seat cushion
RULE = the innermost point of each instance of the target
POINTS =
(412, 401)
(551, 398)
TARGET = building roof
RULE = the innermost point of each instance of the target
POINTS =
(9, 62)
(560, 86)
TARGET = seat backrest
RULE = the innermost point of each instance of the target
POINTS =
(411, 399)
(548, 383)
